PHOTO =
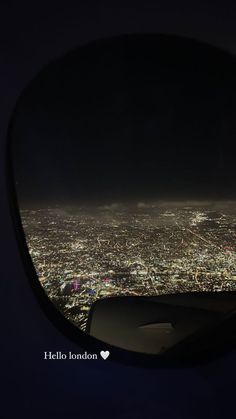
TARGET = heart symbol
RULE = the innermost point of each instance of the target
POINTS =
(104, 354)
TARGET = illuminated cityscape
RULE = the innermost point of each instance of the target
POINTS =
(84, 254)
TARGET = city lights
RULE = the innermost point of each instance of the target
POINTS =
(88, 254)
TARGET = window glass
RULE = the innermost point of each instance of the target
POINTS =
(125, 172)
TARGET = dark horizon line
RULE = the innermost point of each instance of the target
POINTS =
(139, 204)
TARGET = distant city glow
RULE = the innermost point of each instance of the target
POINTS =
(86, 254)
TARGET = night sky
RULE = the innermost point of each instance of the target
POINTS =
(135, 118)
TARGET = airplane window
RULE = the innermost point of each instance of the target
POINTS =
(124, 174)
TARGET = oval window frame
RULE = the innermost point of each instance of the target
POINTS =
(68, 329)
